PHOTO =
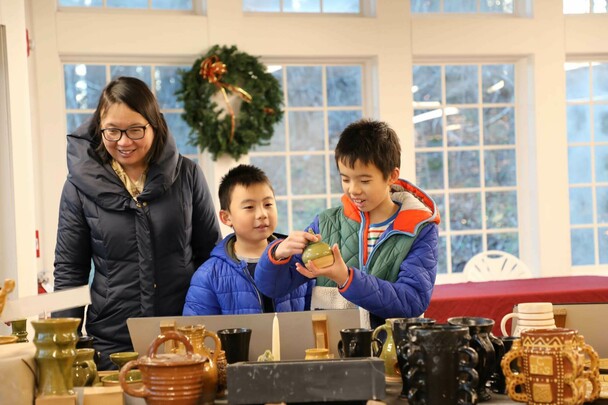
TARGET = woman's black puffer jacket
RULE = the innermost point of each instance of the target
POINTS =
(144, 251)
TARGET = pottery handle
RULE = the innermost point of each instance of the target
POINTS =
(593, 373)
(217, 347)
(170, 335)
(341, 349)
(514, 379)
(141, 392)
(377, 343)
(503, 323)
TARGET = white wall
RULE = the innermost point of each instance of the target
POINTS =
(392, 41)
(18, 219)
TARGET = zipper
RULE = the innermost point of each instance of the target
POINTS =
(248, 275)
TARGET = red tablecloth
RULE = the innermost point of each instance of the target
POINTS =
(495, 299)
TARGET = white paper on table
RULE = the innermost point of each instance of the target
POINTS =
(276, 339)
(33, 305)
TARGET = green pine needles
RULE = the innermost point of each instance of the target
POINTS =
(254, 122)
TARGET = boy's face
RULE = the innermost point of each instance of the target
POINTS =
(366, 186)
(252, 213)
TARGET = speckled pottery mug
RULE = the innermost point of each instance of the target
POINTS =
(552, 368)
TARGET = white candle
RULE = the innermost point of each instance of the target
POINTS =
(276, 339)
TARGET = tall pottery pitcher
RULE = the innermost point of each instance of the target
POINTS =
(55, 341)
(197, 334)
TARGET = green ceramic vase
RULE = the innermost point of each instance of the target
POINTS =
(55, 340)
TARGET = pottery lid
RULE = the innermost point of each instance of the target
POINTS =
(172, 360)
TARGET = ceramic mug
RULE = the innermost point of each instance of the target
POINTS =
(355, 342)
(84, 370)
(401, 327)
(235, 342)
(442, 366)
(489, 350)
(552, 368)
(530, 315)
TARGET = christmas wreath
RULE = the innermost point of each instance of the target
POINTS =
(214, 124)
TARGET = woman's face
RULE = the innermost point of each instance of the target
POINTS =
(131, 154)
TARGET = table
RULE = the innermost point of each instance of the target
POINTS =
(495, 299)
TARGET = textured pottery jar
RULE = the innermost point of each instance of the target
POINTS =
(55, 340)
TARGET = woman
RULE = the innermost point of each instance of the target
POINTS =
(138, 208)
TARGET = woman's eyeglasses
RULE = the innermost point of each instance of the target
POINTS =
(133, 133)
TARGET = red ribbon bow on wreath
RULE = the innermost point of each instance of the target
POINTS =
(212, 69)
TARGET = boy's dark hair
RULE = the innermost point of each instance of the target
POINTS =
(244, 175)
(136, 95)
(369, 141)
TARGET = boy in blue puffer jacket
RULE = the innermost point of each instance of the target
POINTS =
(224, 284)
(384, 236)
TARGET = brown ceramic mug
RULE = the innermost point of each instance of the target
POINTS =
(173, 378)
(552, 368)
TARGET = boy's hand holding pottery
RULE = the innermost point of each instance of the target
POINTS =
(322, 260)
(295, 244)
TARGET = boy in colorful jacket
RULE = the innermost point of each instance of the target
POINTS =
(224, 284)
(384, 236)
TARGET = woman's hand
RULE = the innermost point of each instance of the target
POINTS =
(337, 272)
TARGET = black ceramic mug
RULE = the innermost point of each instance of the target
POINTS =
(401, 327)
(489, 350)
(235, 342)
(356, 342)
(441, 366)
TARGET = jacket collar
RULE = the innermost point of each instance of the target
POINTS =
(99, 182)
(417, 208)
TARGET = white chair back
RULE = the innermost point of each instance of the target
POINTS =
(495, 265)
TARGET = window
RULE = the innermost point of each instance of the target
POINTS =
(465, 143)
(134, 4)
(320, 101)
(303, 6)
(585, 6)
(462, 6)
(85, 82)
(587, 129)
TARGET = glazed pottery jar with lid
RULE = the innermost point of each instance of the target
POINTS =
(168, 378)
(319, 253)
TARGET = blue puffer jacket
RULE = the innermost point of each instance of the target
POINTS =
(223, 285)
(406, 296)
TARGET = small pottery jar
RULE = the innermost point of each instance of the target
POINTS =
(316, 354)
(84, 370)
(222, 363)
(55, 340)
(19, 329)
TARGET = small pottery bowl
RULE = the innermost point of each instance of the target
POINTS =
(110, 380)
(122, 358)
(8, 339)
